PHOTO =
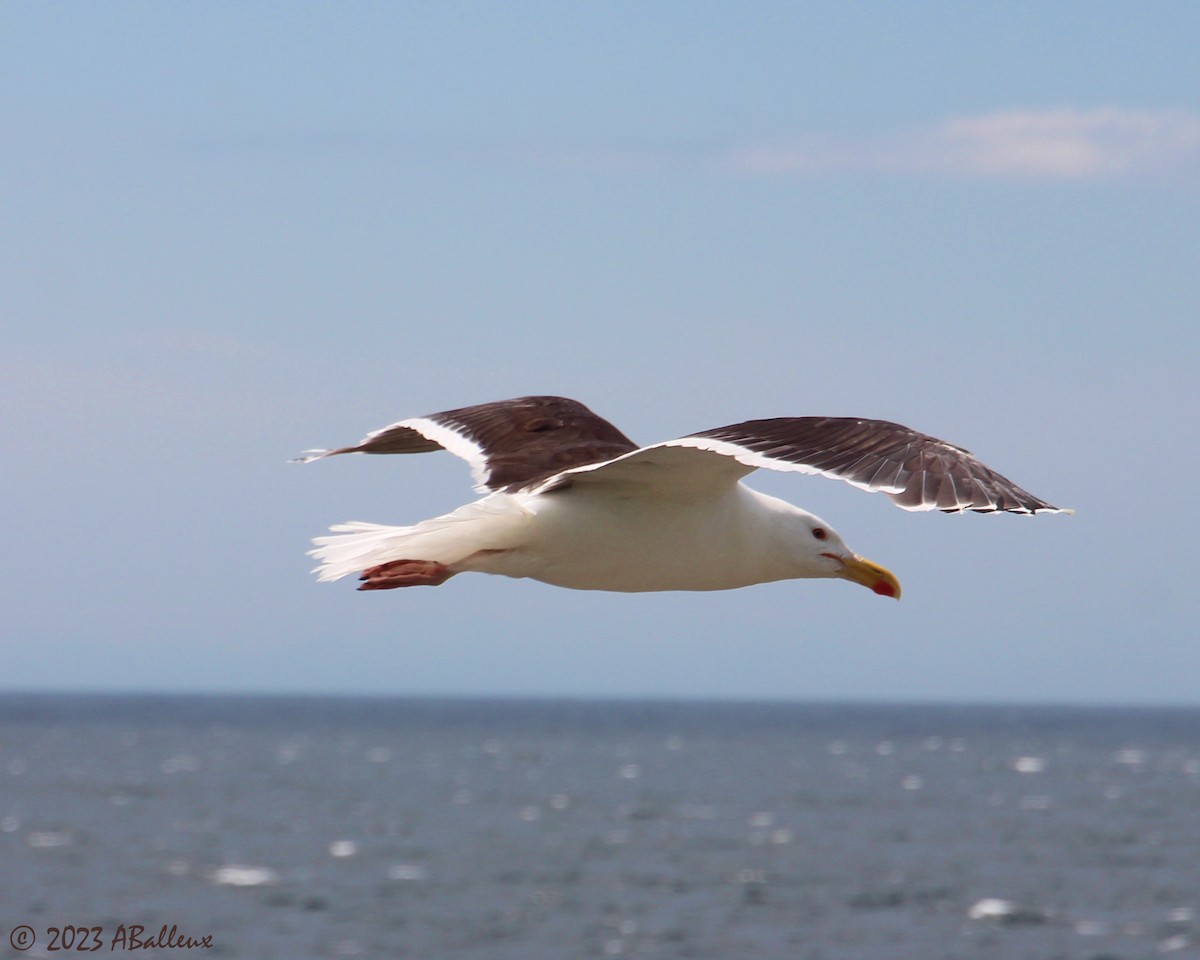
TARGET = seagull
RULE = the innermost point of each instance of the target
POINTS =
(571, 501)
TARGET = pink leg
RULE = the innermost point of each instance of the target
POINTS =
(405, 573)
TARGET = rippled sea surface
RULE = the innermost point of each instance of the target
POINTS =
(296, 828)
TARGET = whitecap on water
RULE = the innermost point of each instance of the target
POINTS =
(1028, 764)
(48, 839)
(180, 763)
(991, 908)
(237, 875)
(1092, 928)
(343, 848)
(1005, 911)
(406, 871)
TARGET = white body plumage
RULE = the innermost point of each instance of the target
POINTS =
(593, 537)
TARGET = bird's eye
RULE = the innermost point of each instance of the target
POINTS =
(819, 533)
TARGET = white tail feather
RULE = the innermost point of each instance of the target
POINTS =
(488, 524)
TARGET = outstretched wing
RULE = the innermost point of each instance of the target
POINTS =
(509, 444)
(917, 471)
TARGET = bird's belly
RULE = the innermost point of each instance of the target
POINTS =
(631, 546)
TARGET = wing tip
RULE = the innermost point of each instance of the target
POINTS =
(308, 456)
(992, 509)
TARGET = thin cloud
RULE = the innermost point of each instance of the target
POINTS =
(1064, 144)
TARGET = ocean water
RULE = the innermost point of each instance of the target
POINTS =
(304, 828)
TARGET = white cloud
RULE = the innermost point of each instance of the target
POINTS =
(1067, 143)
(1063, 144)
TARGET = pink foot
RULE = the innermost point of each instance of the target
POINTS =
(405, 573)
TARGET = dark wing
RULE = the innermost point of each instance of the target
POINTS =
(917, 471)
(509, 444)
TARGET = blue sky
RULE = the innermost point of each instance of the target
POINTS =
(237, 231)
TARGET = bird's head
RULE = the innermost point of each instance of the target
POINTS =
(823, 553)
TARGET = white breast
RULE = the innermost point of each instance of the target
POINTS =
(602, 540)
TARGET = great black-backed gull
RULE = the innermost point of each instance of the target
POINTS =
(572, 501)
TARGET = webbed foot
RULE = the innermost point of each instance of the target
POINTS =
(405, 573)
